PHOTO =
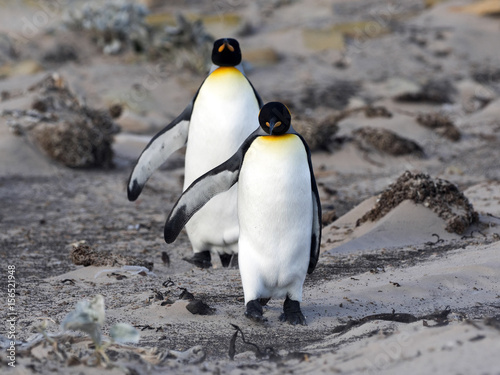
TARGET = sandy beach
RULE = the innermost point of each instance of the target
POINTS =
(400, 104)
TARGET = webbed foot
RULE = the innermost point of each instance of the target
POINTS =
(202, 259)
(229, 260)
(291, 313)
(254, 311)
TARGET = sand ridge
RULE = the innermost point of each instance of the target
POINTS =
(425, 66)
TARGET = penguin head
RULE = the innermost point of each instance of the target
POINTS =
(226, 52)
(275, 118)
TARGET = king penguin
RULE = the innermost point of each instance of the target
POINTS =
(218, 119)
(279, 212)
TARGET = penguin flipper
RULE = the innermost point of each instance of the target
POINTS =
(316, 225)
(204, 188)
(162, 145)
(316, 228)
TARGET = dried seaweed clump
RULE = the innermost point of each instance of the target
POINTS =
(8, 52)
(441, 124)
(385, 141)
(486, 75)
(435, 91)
(117, 26)
(439, 195)
(335, 95)
(67, 131)
(318, 134)
(85, 255)
(377, 111)
(113, 25)
(186, 45)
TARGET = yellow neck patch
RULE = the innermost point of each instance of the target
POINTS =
(224, 70)
(281, 146)
(278, 138)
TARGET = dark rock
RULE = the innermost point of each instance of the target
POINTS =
(67, 131)
(434, 91)
(318, 134)
(115, 110)
(328, 217)
(486, 75)
(335, 95)
(60, 54)
(113, 26)
(441, 124)
(117, 27)
(85, 255)
(377, 111)
(186, 295)
(199, 307)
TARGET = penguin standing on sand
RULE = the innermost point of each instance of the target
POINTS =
(279, 212)
(219, 118)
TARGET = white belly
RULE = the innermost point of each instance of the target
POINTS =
(224, 114)
(275, 212)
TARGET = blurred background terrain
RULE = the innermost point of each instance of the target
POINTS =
(377, 88)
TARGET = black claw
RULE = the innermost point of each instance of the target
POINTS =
(200, 260)
(292, 313)
(254, 311)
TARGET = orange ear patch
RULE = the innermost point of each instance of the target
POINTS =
(229, 47)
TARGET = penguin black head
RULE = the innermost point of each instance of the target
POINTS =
(226, 52)
(275, 118)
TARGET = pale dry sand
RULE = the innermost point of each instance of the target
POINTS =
(392, 266)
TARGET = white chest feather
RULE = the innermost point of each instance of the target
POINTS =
(275, 214)
(224, 114)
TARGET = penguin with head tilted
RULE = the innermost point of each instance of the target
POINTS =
(279, 212)
(219, 118)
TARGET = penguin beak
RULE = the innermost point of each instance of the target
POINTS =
(272, 124)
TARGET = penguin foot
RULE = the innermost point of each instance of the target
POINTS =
(234, 261)
(225, 259)
(254, 311)
(292, 313)
(201, 260)
(264, 301)
(229, 260)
